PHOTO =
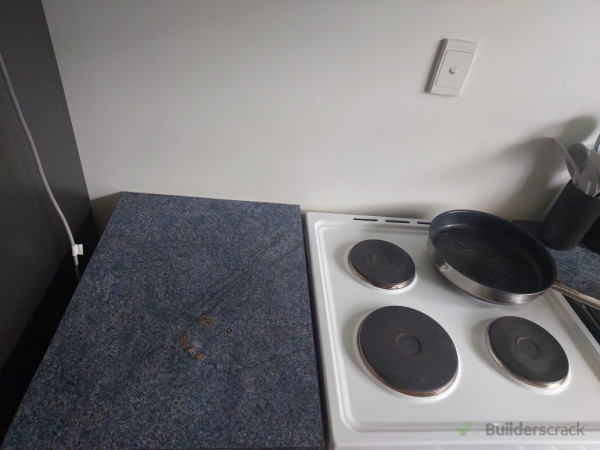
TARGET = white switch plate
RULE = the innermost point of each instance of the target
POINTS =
(452, 66)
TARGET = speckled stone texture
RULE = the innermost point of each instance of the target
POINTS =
(577, 268)
(190, 328)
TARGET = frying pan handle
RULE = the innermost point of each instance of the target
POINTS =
(576, 295)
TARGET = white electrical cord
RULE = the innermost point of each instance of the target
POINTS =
(76, 249)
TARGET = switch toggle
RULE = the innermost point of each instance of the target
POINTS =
(452, 67)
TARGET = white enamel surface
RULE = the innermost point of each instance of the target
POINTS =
(364, 413)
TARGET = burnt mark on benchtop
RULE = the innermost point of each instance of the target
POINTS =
(207, 320)
(192, 346)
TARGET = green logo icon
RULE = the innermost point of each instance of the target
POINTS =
(464, 430)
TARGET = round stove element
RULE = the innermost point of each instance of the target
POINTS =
(408, 351)
(382, 264)
(528, 352)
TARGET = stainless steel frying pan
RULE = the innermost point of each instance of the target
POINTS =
(493, 260)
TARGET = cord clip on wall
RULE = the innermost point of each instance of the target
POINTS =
(76, 249)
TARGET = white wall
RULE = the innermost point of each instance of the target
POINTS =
(323, 103)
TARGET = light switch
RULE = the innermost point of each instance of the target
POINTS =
(453, 70)
(452, 66)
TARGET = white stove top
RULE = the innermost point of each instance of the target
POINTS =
(365, 413)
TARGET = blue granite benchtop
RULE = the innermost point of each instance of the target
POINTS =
(190, 328)
(577, 268)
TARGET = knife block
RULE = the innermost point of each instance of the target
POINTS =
(570, 218)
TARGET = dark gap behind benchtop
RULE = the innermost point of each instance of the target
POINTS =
(190, 328)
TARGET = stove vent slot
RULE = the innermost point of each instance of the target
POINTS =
(397, 221)
(365, 220)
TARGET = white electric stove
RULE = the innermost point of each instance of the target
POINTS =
(484, 405)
